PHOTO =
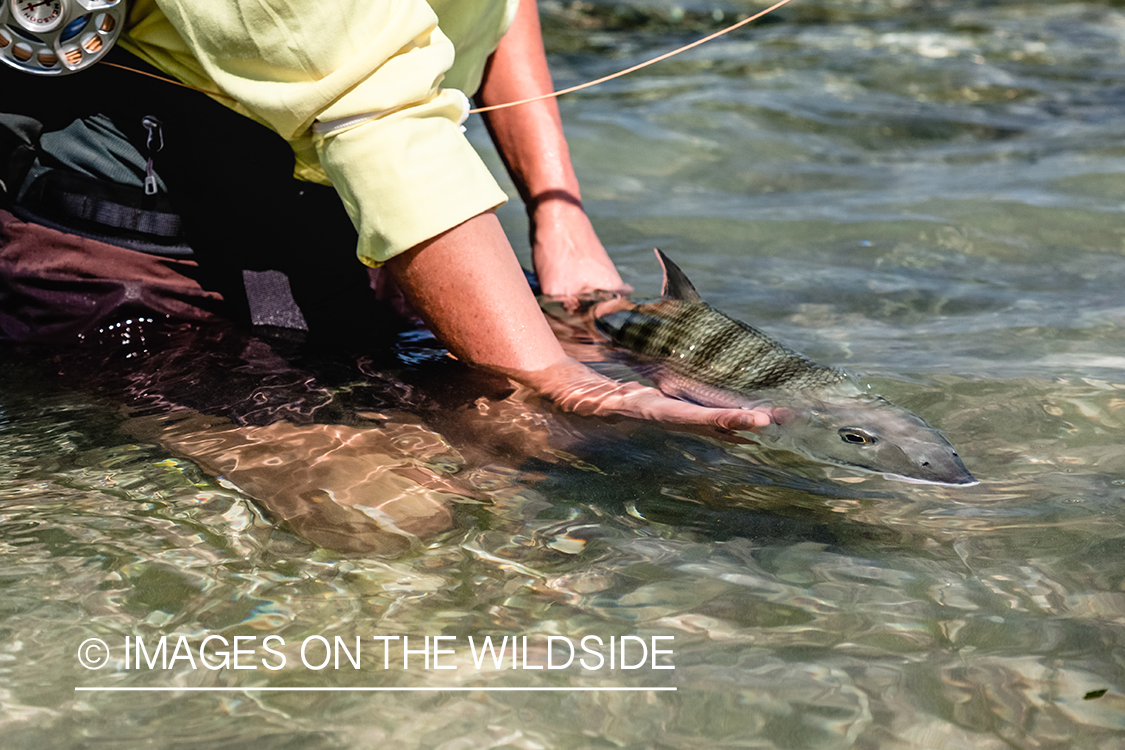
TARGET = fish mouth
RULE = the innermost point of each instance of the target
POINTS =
(968, 481)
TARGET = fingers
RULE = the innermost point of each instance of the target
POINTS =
(654, 405)
(579, 279)
(742, 419)
(576, 388)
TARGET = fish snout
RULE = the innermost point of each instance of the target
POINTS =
(935, 463)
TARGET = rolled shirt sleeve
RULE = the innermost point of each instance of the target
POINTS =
(406, 175)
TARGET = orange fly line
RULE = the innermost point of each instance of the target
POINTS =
(639, 66)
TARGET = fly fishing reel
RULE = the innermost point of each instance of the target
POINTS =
(58, 37)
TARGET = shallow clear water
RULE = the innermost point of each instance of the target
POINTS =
(927, 194)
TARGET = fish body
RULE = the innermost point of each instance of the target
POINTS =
(694, 352)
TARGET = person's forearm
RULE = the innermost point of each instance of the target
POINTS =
(468, 287)
(568, 256)
(530, 136)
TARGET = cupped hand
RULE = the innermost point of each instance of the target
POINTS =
(574, 387)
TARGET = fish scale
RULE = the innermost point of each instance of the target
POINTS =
(698, 341)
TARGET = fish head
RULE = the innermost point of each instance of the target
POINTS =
(868, 433)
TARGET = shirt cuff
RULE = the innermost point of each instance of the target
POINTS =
(408, 176)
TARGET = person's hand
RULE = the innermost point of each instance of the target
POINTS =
(572, 386)
(569, 258)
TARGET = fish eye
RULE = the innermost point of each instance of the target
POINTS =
(856, 436)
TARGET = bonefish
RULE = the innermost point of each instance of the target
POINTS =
(696, 353)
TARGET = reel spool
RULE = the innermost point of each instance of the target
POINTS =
(58, 37)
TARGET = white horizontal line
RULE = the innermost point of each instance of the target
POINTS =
(166, 689)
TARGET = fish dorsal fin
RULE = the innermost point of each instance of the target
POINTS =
(676, 284)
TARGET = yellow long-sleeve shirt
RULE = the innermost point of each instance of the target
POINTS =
(406, 174)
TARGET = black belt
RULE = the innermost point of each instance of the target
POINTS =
(104, 210)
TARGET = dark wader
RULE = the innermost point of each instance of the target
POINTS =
(231, 203)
